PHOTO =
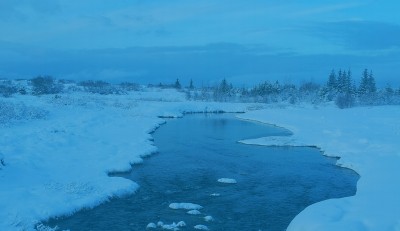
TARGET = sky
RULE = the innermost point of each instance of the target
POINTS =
(246, 42)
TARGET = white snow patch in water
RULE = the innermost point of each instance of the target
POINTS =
(187, 206)
(174, 226)
(227, 181)
(194, 212)
(201, 227)
(215, 195)
(151, 226)
(208, 218)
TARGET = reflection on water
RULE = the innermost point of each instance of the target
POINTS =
(274, 184)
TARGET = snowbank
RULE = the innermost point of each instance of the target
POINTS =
(59, 163)
(367, 140)
(227, 181)
(187, 206)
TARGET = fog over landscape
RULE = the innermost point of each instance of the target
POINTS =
(158, 41)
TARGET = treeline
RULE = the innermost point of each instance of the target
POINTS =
(340, 87)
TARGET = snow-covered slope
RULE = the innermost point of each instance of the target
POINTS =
(368, 141)
(59, 162)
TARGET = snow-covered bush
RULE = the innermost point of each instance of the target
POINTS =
(43, 85)
(344, 101)
(99, 87)
(7, 91)
(19, 111)
(2, 163)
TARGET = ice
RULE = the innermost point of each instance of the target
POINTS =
(201, 227)
(215, 194)
(151, 226)
(187, 206)
(174, 226)
(194, 212)
(227, 181)
(208, 218)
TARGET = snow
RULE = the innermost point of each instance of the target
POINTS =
(208, 218)
(174, 226)
(215, 194)
(151, 226)
(227, 180)
(187, 206)
(59, 151)
(193, 212)
(367, 140)
(201, 227)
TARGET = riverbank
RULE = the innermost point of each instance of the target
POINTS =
(58, 163)
(366, 139)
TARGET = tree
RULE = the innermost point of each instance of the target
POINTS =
(367, 84)
(191, 86)
(177, 84)
(223, 91)
(332, 81)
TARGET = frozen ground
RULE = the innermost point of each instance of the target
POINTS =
(56, 152)
(367, 140)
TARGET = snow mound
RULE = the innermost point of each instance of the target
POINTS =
(194, 212)
(201, 227)
(227, 181)
(208, 218)
(215, 195)
(151, 226)
(187, 206)
(174, 226)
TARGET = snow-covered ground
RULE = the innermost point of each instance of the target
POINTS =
(56, 153)
(368, 140)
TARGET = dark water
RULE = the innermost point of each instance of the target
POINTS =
(274, 184)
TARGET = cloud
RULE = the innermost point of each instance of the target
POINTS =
(325, 9)
(360, 35)
(204, 64)
(24, 9)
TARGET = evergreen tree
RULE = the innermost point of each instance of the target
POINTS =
(371, 83)
(332, 81)
(191, 86)
(348, 82)
(363, 88)
(341, 81)
(177, 84)
(367, 84)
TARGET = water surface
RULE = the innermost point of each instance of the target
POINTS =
(274, 184)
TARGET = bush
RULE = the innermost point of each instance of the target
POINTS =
(345, 100)
(43, 85)
(130, 86)
(7, 91)
(99, 87)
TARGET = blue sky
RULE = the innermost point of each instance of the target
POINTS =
(159, 41)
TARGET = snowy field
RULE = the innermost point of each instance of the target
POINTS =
(57, 152)
(368, 141)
